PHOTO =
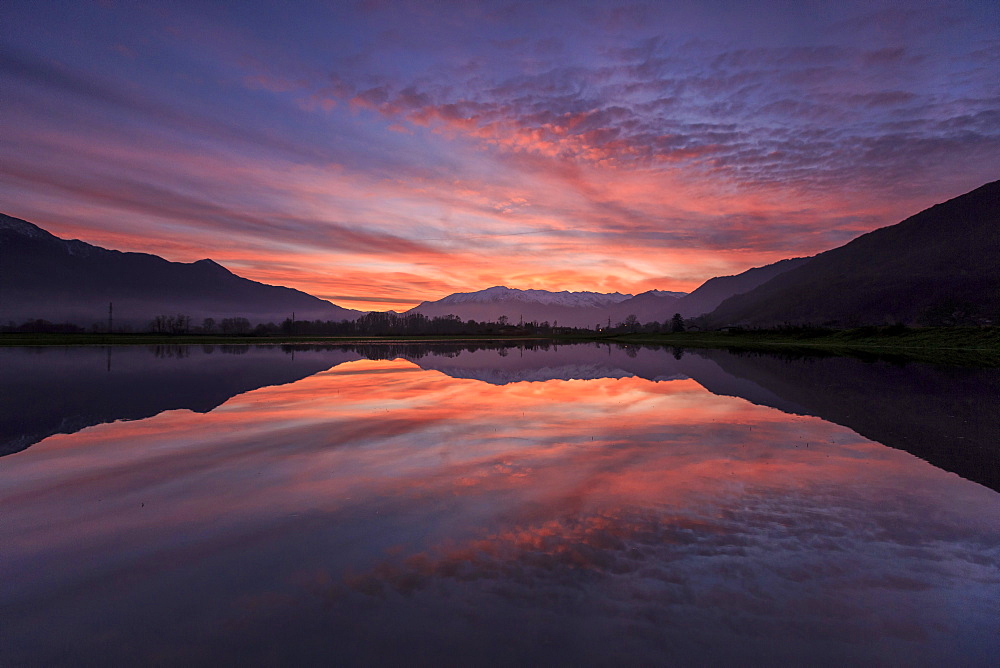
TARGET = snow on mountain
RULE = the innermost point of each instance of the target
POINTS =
(22, 227)
(572, 309)
(565, 298)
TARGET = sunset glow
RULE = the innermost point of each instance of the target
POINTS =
(380, 154)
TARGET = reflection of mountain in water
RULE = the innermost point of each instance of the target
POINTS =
(568, 362)
(63, 390)
(946, 416)
(50, 391)
(584, 361)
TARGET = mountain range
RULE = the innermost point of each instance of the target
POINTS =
(590, 309)
(64, 280)
(60, 280)
(569, 309)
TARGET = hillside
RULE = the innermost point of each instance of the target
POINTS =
(714, 291)
(45, 277)
(938, 267)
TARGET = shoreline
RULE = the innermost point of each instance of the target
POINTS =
(976, 345)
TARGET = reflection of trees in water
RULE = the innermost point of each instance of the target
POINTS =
(163, 350)
(631, 351)
(418, 350)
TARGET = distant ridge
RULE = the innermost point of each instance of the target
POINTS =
(61, 280)
(938, 267)
(568, 309)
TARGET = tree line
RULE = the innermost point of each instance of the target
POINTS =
(370, 324)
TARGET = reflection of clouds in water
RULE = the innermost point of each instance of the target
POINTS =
(818, 567)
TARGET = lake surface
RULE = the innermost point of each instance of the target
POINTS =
(584, 504)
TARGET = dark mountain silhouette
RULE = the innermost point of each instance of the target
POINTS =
(939, 267)
(714, 291)
(63, 390)
(62, 280)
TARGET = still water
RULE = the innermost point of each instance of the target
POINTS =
(479, 505)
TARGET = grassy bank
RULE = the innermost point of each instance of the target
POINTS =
(943, 345)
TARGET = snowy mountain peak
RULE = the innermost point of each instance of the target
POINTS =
(22, 227)
(26, 230)
(502, 293)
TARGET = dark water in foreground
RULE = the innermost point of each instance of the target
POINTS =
(426, 505)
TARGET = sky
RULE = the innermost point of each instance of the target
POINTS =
(381, 153)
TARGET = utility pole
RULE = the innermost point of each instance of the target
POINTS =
(111, 318)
